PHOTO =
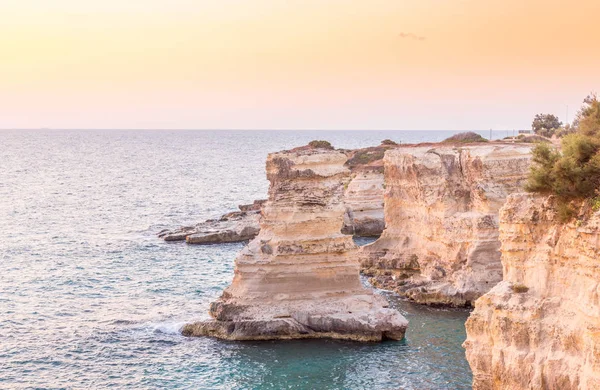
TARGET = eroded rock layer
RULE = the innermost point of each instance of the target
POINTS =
(299, 278)
(540, 327)
(363, 198)
(440, 245)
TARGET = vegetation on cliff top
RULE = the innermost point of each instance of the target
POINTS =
(466, 137)
(572, 173)
(320, 144)
(367, 155)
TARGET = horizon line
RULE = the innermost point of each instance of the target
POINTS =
(229, 129)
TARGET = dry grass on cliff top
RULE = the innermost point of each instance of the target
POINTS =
(372, 156)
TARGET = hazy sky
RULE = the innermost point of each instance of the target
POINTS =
(295, 64)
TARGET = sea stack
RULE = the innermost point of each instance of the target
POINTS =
(299, 278)
(540, 327)
(440, 245)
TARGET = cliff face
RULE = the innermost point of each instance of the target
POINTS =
(540, 327)
(299, 277)
(440, 245)
(363, 198)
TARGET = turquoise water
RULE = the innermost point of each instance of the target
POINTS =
(90, 298)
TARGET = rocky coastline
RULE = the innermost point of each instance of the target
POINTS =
(435, 205)
(456, 230)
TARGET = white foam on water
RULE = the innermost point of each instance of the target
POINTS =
(166, 327)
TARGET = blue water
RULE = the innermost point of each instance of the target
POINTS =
(90, 298)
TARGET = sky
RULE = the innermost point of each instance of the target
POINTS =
(295, 64)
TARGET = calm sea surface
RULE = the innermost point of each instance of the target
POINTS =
(90, 298)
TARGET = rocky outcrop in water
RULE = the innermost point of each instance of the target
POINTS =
(540, 327)
(440, 245)
(299, 278)
(236, 226)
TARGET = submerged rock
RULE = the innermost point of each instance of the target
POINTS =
(299, 278)
(540, 327)
(440, 245)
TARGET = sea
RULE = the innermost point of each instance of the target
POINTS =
(90, 298)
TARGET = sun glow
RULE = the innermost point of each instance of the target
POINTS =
(298, 64)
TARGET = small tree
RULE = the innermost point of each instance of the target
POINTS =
(545, 124)
(588, 117)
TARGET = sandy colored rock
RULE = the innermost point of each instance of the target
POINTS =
(299, 278)
(254, 206)
(363, 198)
(540, 327)
(440, 245)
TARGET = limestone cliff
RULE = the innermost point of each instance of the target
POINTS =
(540, 327)
(440, 245)
(299, 277)
(363, 198)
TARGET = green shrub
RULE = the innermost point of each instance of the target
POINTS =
(467, 137)
(565, 130)
(520, 288)
(596, 204)
(319, 144)
(540, 176)
(388, 142)
(573, 173)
